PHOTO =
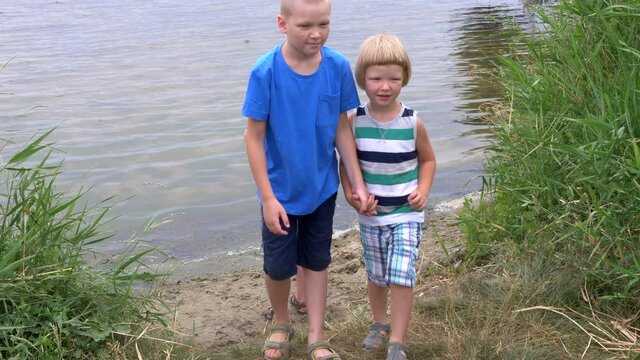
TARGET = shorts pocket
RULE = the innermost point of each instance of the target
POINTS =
(328, 110)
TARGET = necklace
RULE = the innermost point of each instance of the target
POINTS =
(382, 130)
(383, 133)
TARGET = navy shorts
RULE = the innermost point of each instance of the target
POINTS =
(308, 242)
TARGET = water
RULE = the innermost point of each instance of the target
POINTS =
(145, 97)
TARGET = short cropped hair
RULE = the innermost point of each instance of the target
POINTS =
(382, 50)
(287, 5)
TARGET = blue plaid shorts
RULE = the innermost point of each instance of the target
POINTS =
(390, 252)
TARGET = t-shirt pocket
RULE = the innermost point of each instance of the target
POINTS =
(328, 110)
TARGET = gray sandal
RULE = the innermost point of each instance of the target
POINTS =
(395, 351)
(375, 339)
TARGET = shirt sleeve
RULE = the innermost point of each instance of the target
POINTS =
(348, 93)
(256, 102)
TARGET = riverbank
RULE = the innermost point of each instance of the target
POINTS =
(508, 308)
(226, 309)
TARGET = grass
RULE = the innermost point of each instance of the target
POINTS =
(564, 170)
(552, 253)
(52, 304)
(483, 312)
(516, 306)
(562, 184)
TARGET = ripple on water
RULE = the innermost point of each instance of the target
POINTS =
(146, 99)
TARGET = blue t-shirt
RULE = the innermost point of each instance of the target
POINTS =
(302, 114)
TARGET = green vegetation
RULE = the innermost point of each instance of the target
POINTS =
(552, 253)
(52, 305)
(564, 172)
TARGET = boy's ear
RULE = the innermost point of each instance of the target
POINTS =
(282, 24)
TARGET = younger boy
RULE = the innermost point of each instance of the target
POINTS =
(398, 166)
(296, 103)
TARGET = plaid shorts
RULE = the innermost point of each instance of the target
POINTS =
(390, 252)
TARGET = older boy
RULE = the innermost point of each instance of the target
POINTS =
(296, 103)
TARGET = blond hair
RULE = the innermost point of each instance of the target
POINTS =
(286, 6)
(382, 50)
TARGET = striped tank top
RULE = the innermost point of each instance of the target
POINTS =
(389, 163)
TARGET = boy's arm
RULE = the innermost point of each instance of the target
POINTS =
(346, 185)
(426, 167)
(349, 163)
(352, 198)
(272, 211)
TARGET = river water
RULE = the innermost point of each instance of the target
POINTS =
(145, 98)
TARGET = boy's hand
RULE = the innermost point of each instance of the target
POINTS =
(367, 207)
(353, 200)
(275, 216)
(372, 202)
(417, 200)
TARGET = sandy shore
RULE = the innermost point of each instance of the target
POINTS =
(226, 309)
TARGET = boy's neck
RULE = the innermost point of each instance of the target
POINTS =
(384, 113)
(301, 63)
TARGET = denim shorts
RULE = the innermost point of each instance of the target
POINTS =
(308, 242)
(390, 253)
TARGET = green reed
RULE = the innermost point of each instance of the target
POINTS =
(564, 171)
(52, 304)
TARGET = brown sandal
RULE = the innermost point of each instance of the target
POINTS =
(322, 345)
(300, 306)
(268, 313)
(281, 346)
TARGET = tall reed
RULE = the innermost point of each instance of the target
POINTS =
(564, 171)
(52, 305)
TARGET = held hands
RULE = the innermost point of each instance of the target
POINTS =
(275, 216)
(367, 207)
(417, 200)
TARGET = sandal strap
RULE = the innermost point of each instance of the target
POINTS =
(322, 344)
(294, 301)
(398, 346)
(379, 327)
(282, 328)
(275, 345)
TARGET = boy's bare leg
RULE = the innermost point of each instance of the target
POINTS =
(278, 292)
(315, 287)
(377, 302)
(401, 305)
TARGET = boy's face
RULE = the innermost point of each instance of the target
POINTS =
(383, 84)
(307, 27)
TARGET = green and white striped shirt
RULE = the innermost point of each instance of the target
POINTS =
(389, 163)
